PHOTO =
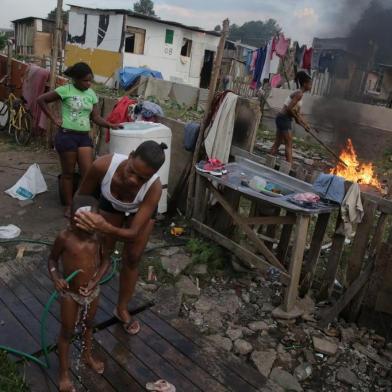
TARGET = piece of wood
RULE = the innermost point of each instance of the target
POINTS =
(239, 152)
(284, 241)
(360, 243)
(248, 231)
(179, 188)
(270, 220)
(378, 234)
(200, 207)
(314, 252)
(242, 253)
(270, 161)
(335, 255)
(328, 315)
(301, 229)
(204, 125)
(285, 167)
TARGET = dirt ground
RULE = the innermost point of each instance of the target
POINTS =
(43, 217)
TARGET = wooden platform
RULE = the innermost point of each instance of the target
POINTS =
(170, 350)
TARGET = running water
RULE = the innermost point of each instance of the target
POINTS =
(81, 327)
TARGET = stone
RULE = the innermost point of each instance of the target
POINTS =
(21, 212)
(175, 264)
(187, 287)
(200, 269)
(372, 354)
(196, 317)
(309, 162)
(303, 371)
(150, 287)
(284, 357)
(228, 303)
(203, 304)
(245, 297)
(387, 354)
(258, 326)
(264, 360)
(242, 347)
(220, 342)
(234, 334)
(346, 376)
(279, 313)
(214, 320)
(286, 380)
(271, 386)
(309, 356)
(168, 302)
(324, 346)
(267, 307)
(307, 305)
(169, 251)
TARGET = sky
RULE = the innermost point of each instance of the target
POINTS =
(300, 20)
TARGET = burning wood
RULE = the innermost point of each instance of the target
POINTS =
(362, 173)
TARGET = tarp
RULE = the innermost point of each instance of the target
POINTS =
(129, 75)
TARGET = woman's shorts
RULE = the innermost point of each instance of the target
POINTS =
(69, 141)
(283, 123)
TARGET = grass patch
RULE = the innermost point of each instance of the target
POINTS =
(204, 252)
(10, 379)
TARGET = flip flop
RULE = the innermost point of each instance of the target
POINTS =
(132, 327)
(160, 386)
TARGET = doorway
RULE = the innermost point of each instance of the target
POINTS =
(206, 70)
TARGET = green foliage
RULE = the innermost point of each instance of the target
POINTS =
(255, 33)
(52, 16)
(145, 7)
(10, 379)
(206, 253)
(3, 41)
(218, 28)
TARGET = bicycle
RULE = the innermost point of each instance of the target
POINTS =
(15, 116)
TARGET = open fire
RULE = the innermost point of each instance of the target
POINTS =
(362, 173)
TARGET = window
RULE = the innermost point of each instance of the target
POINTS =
(134, 40)
(186, 47)
(169, 36)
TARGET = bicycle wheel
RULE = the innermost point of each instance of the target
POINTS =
(23, 133)
(4, 115)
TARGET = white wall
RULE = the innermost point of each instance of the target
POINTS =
(166, 57)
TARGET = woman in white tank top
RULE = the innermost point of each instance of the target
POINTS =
(291, 110)
(130, 190)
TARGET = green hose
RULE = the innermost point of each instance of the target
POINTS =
(44, 317)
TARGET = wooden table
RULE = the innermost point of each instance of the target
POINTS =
(227, 190)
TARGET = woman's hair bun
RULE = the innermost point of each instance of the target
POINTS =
(163, 146)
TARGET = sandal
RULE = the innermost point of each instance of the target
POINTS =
(160, 386)
(131, 327)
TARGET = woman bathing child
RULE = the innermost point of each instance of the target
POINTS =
(78, 250)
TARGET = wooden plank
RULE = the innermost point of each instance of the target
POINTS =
(327, 316)
(270, 220)
(242, 253)
(200, 202)
(301, 229)
(208, 361)
(361, 242)
(239, 152)
(314, 252)
(270, 161)
(335, 255)
(378, 234)
(261, 247)
(284, 242)
(285, 167)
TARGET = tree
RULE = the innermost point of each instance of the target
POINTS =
(3, 41)
(52, 16)
(217, 28)
(255, 33)
(145, 7)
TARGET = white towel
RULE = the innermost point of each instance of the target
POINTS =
(351, 210)
(220, 134)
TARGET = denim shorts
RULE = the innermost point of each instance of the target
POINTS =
(283, 122)
(67, 140)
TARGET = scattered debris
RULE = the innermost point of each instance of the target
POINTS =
(175, 264)
(242, 347)
(324, 346)
(287, 381)
(264, 361)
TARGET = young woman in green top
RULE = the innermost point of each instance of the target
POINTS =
(72, 141)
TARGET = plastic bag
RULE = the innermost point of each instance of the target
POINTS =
(29, 185)
(9, 232)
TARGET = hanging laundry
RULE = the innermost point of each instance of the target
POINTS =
(266, 68)
(276, 81)
(274, 64)
(253, 61)
(307, 60)
(249, 61)
(299, 55)
(274, 42)
(282, 45)
(261, 55)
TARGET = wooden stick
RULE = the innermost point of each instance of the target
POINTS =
(203, 126)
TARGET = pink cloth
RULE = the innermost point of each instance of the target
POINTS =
(253, 62)
(307, 59)
(34, 85)
(282, 45)
(276, 81)
(308, 197)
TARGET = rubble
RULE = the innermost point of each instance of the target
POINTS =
(221, 342)
(264, 360)
(346, 376)
(234, 334)
(279, 313)
(176, 263)
(324, 346)
(258, 326)
(242, 347)
(287, 381)
(187, 287)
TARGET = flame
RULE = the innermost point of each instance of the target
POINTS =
(362, 173)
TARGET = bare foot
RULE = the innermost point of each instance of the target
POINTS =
(95, 364)
(65, 384)
(67, 212)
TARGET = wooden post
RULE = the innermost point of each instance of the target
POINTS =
(9, 62)
(211, 93)
(53, 63)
